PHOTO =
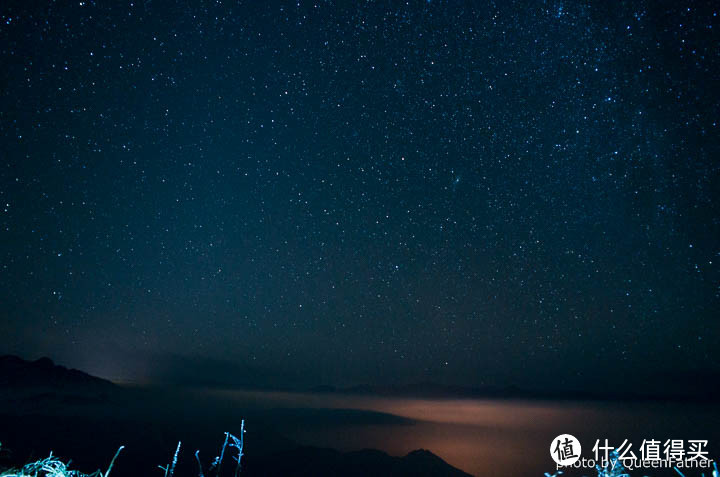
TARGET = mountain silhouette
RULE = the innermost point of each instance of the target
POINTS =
(45, 407)
(313, 461)
(16, 372)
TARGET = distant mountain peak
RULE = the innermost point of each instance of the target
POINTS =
(44, 362)
(421, 453)
(18, 373)
(306, 460)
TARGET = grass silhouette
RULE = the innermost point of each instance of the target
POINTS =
(51, 466)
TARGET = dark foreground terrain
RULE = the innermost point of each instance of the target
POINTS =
(46, 408)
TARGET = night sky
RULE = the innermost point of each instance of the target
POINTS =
(350, 192)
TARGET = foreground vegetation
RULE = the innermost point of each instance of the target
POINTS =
(51, 466)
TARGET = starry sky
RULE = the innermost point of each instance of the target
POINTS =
(476, 193)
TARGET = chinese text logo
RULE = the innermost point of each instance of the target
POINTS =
(565, 449)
